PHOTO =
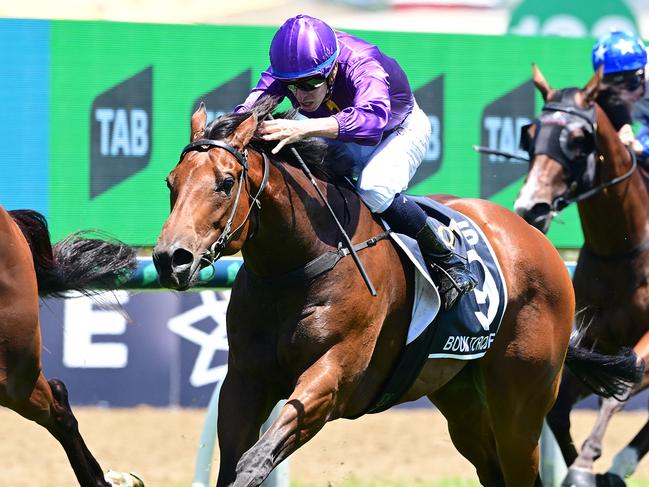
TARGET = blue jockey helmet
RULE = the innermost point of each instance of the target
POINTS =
(619, 51)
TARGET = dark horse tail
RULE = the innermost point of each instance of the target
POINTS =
(76, 263)
(605, 375)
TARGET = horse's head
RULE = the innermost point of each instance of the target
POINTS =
(209, 208)
(561, 144)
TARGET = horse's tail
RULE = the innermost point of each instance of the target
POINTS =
(605, 375)
(76, 263)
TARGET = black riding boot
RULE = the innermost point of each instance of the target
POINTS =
(454, 276)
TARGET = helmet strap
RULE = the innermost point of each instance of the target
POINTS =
(330, 81)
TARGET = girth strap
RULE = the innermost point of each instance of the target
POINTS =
(320, 265)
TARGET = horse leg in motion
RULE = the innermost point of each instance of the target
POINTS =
(570, 392)
(30, 266)
(47, 404)
(581, 464)
(24, 388)
(247, 459)
(626, 461)
(469, 425)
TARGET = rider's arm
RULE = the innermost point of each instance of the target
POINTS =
(267, 85)
(289, 131)
(326, 127)
(365, 121)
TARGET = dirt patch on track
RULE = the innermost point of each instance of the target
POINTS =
(160, 444)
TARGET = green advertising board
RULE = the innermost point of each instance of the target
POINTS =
(122, 96)
(571, 19)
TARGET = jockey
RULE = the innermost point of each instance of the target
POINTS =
(624, 57)
(359, 101)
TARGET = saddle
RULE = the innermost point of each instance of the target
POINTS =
(464, 332)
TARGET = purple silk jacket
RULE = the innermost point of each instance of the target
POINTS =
(371, 94)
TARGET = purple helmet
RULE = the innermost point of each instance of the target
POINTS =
(303, 47)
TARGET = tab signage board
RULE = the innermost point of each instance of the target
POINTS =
(115, 118)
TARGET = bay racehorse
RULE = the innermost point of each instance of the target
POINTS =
(30, 266)
(577, 156)
(323, 341)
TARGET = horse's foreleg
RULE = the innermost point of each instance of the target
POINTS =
(627, 460)
(48, 406)
(244, 404)
(65, 429)
(591, 449)
(306, 411)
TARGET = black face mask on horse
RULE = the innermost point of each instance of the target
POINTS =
(566, 133)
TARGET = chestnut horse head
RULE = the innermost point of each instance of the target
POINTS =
(215, 193)
(206, 189)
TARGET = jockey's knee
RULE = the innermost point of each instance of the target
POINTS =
(376, 200)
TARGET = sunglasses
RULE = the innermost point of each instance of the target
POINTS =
(305, 85)
(628, 81)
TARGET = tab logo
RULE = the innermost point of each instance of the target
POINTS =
(500, 128)
(430, 99)
(120, 132)
(225, 97)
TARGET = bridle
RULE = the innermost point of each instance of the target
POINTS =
(581, 168)
(204, 145)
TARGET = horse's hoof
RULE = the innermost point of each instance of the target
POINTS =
(609, 479)
(123, 479)
(577, 477)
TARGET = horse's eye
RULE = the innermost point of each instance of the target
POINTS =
(226, 185)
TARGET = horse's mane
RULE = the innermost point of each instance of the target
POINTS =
(312, 151)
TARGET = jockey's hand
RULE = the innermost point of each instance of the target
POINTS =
(626, 135)
(637, 147)
(628, 138)
(290, 131)
(286, 131)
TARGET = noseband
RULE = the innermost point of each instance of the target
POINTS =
(204, 145)
(558, 118)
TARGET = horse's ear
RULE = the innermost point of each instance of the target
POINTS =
(539, 81)
(199, 120)
(591, 90)
(244, 132)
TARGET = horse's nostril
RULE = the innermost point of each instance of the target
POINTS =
(181, 258)
(538, 210)
(538, 216)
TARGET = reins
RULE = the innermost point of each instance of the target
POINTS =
(348, 242)
(601, 187)
(563, 200)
